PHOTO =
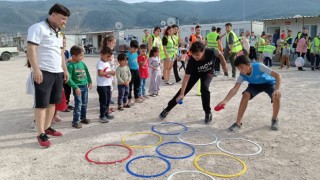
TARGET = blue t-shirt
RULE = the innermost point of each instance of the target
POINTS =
(260, 75)
(133, 60)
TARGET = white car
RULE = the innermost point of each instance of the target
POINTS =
(7, 52)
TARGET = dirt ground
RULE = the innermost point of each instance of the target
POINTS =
(290, 153)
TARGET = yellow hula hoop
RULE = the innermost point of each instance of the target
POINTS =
(220, 175)
(123, 140)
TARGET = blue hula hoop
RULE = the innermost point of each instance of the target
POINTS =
(148, 176)
(184, 127)
(176, 157)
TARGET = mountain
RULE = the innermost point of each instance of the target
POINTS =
(100, 15)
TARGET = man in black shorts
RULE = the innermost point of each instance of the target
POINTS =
(46, 57)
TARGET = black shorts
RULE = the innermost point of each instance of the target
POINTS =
(255, 89)
(50, 90)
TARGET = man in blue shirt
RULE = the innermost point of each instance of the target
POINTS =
(260, 79)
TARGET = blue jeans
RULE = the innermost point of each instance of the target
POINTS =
(104, 99)
(123, 93)
(142, 91)
(80, 104)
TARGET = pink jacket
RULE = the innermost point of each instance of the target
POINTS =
(302, 46)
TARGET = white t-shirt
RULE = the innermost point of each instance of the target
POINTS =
(252, 40)
(245, 43)
(49, 46)
(103, 81)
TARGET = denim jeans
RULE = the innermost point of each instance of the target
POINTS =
(123, 92)
(142, 91)
(134, 84)
(80, 104)
(104, 99)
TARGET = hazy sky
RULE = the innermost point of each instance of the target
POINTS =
(134, 1)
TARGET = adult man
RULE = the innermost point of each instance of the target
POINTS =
(177, 40)
(211, 42)
(196, 38)
(46, 56)
(245, 43)
(253, 40)
(200, 67)
(233, 46)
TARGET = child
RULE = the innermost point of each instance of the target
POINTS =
(134, 69)
(144, 70)
(182, 58)
(123, 77)
(283, 35)
(285, 56)
(154, 65)
(80, 82)
(104, 83)
(268, 54)
(260, 79)
(110, 41)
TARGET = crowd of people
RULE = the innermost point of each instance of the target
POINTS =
(56, 72)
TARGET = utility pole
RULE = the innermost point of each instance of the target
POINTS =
(244, 10)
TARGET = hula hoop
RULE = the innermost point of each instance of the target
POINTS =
(148, 176)
(185, 128)
(220, 175)
(176, 157)
(123, 140)
(198, 172)
(238, 154)
(111, 162)
(180, 139)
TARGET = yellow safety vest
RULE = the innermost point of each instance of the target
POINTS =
(212, 40)
(315, 45)
(261, 44)
(154, 42)
(236, 43)
(170, 47)
(269, 49)
(145, 39)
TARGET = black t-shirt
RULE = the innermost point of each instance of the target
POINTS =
(203, 66)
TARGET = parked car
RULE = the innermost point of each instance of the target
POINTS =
(7, 52)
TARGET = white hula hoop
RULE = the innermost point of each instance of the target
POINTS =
(180, 139)
(239, 154)
(198, 172)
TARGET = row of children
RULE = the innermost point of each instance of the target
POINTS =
(130, 73)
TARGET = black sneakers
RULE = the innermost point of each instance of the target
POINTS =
(274, 124)
(163, 114)
(85, 121)
(234, 127)
(208, 118)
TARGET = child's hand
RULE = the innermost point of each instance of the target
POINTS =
(154, 68)
(89, 86)
(78, 92)
(222, 103)
(112, 72)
